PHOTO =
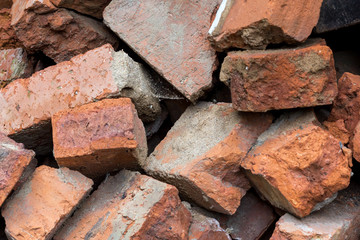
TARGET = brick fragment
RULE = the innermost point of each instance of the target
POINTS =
(43, 203)
(171, 37)
(14, 64)
(251, 219)
(59, 33)
(16, 163)
(201, 154)
(296, 165)
(258, 23)
(28, 104)
(281, 79)
(99, 137)
(8, 37)
(129, 206)
(339, 220)
(88, 7)
(204, 227)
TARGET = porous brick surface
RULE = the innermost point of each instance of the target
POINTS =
(171, 37)
(255, 24)
(99, 137)
(297, 165)
(201, 154)
(130, 206)
(281, 79)
(43, 203)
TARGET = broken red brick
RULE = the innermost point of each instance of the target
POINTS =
(280, 79)
(8, 37)
(88, 7)
(14, 64)
(59, 33)
(298, 166)
(355, 143)
(251, 219)
(338, 130)
(347, 103)
(15, 165)
(204, 227)
(44, 202)
(99, 137)
(339, 220)
(28, 104)
(130, 206)
(171, 37)
(201, 154)
(258, 23)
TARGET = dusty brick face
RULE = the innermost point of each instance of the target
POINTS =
(59, 33)
(16, 163)
(88, 7)
(99, 137)
(297, 165)
(130, 206)
(8, 37)
(339, 220)
(170, 37)
(44, 202)
(280, 79)
(26, 110)
(14, 64)
(201, 154)
(255, 24)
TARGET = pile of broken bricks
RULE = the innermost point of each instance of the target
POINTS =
(123, 119)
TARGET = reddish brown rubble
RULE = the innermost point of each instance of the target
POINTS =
(129, 206)
(200, 154)
(28, 104)
(281, 79)
(171, 37)
(204, 227)
(43, 203)
(88, 7)
(16, 164)
(14, 64)
(257, 23)
(8, 37)
(338, 221)
(99, 137)
(59, 33)
(297, 165)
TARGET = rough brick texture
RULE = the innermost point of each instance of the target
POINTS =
(43, 203)
(99, 137)
(28, 104)
(16, 163)
(59, 33)
(14, 64)
(8, 37)
(297, 165)
(171, 37)
(339, 220)
(257, 23)
(281, 79)
(201, 154)
(129, 206)
(88, 7)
